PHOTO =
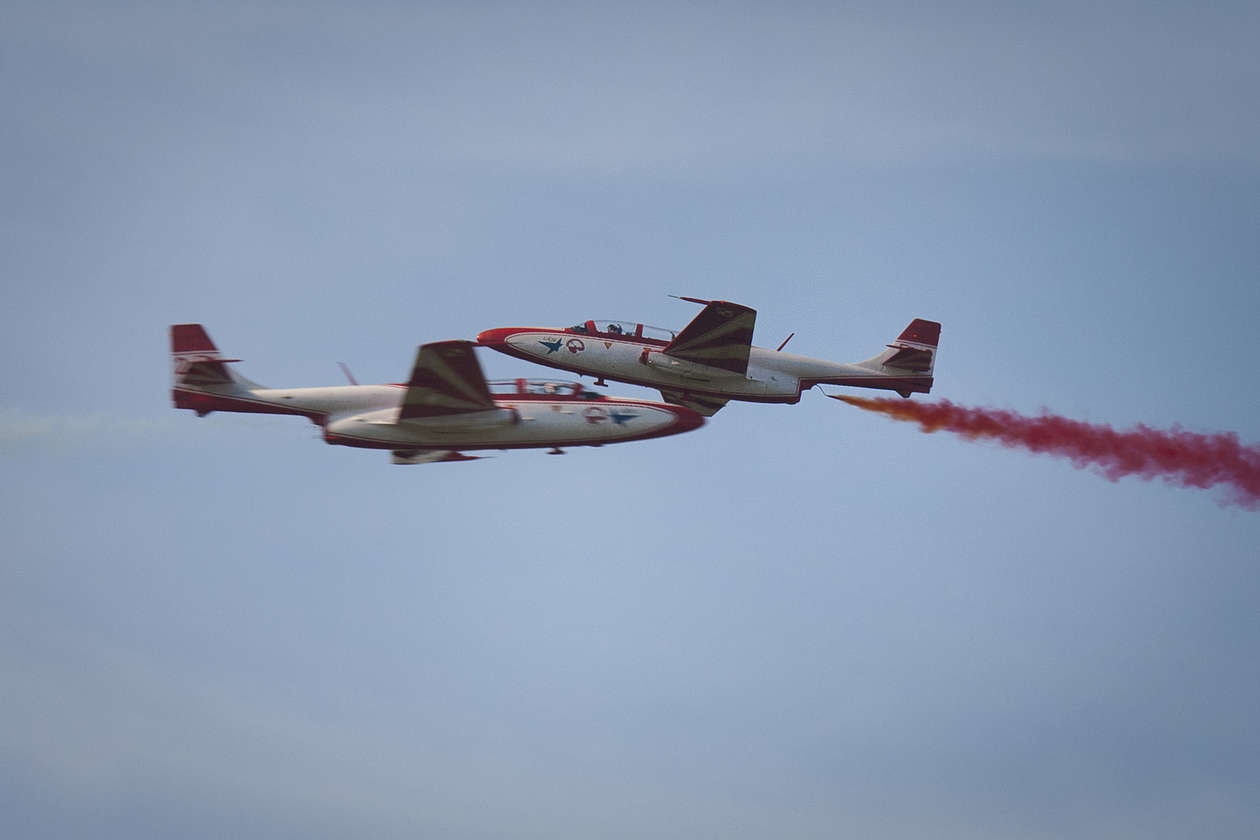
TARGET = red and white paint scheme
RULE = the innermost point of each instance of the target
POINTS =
(712, 360)
(446, 406)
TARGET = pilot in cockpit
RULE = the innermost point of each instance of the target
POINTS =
(578, 328)
(615, 329)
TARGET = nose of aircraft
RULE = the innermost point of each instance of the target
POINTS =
(496, 337)
(686, 419)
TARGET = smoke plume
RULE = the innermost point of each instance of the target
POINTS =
(1182, 458)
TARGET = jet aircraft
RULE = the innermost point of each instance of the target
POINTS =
(446, 405)
(712, 360)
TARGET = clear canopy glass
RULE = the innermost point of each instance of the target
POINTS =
(540, 387)
(629, 329)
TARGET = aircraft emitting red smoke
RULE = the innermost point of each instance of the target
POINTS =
(1182, 458)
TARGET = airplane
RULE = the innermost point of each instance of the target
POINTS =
(712, 361)
(445, 407)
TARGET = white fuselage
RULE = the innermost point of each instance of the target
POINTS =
(772, 376)
(368, 416)
(514, 425)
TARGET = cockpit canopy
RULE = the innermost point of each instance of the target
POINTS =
(623, 329)
(541, 388)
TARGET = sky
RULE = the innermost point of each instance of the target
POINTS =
(798, 621)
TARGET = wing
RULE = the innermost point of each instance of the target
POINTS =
(430, 456)
(702, 404)
(446, 379)
(719, 337)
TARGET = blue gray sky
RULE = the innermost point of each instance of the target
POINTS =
(799, 621)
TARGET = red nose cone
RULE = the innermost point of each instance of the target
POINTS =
(496, 337)
(686, 419)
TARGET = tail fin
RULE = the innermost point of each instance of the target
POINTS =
(909, 361)
(914, 350)
(197, 363)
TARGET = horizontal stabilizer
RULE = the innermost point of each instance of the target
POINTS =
(909, 358)
(203, 372)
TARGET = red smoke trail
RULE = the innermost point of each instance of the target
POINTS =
(1179, 457)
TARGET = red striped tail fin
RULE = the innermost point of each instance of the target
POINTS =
(197, 362)
(905, 366)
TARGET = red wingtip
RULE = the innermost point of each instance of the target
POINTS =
(190, 338)
(922, 332)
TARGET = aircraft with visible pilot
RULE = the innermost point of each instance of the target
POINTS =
(712, 361)
(445, 407)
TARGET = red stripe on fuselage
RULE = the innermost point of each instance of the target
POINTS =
(646, 383)
(917, 384)
(495, 337)
(206, 401)
(686, 420)
(203, 401)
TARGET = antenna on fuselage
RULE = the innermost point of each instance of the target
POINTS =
(785, 341)
(347, 372)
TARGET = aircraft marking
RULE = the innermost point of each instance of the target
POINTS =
(552, 346)
(575, 345)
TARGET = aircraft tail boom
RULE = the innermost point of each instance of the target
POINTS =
(905, 366)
